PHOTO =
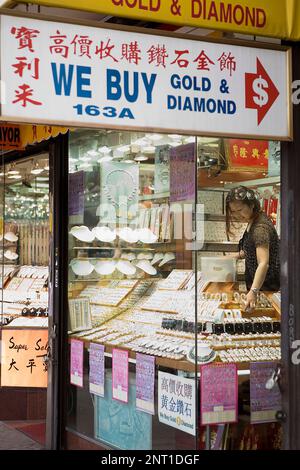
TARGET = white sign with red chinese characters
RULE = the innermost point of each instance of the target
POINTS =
(70, 74)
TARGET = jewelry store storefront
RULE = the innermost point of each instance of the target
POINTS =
(165, 297)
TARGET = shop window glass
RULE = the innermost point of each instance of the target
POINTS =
(24, 258)
(153, 271)
(131, 282)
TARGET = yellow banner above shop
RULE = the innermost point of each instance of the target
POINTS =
(31, 134)
(273, 18)
(16, 137)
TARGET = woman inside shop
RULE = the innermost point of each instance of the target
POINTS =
(259, 245)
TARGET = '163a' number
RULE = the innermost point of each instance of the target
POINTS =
(106, 111)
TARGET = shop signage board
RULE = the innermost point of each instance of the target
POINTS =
(70, 74)
(77, 348)
(145, 378)
(10, 137)
(177, 402)
(219, 394)
(273, 18)
(120, 375)
(264, 402)
(23, 358)
(97, 369)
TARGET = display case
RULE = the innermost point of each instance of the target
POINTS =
(141, 256)
(24, 252)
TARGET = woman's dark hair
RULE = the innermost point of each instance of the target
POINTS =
(245, 195)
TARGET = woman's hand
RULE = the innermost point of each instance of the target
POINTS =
(250, 301)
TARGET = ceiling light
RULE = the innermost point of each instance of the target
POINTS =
(107, 158)
(14, 177)
(85, 166)
(37, 171)
(154, 137)
(174, 144)
(149, 149)
(124, 148)
(142, 141)
(104, 149)
(207, 140)
(175, 136)
(92, 153)
(141, 158)
(190, 140)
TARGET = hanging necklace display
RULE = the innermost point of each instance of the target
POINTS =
(123, 195)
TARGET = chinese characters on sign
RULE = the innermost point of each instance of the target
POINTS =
(77, 348)
(252, 154)
(24, 356)
(219, 394)
(145, 378)
(97, 369)
(120, 375)
(26, 65)
(176, 402)
(264, 403)
(66, 73)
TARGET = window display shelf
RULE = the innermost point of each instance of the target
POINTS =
(215, 217)
(208, 245)
(132, 247)
(256, 183)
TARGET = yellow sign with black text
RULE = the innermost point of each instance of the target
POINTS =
(273, 18)
(10, 137)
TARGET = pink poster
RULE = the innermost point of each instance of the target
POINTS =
(219, 394)
(120, 375)
(145, 379)
(77, 362)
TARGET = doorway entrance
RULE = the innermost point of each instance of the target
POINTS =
(24, 274)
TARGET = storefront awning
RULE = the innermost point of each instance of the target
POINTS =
(17, 137)
(275, 18)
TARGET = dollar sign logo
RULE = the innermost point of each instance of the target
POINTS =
(259, 87)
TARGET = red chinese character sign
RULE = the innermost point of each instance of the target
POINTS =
(56, 73)
(247, 154)
(24, 358)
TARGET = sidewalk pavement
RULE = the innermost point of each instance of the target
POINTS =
(11, 439)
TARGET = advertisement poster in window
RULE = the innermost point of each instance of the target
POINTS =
(24, 358)
(177, 402)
